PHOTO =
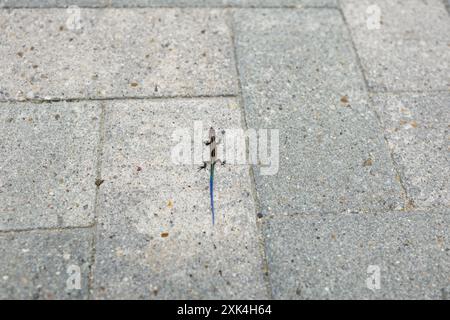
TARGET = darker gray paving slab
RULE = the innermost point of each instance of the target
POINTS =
(41, 264)
(417, 128)
(115, 53)
(48, 162)
(154, 215)
(328, 256)
(299, 75)
(163, 3)
(403, 45)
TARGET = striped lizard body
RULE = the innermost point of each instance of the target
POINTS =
(212, 142)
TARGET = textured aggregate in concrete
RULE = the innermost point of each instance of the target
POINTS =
(45, 265)
(417, 129)
(332, 256)
(48, 156)
(225, 3)
(164, 3)
(299, 75)
(89, 53)
(403, 45)
(88, 181)
(52, 3)
(155, 237)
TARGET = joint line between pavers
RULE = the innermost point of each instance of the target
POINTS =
(261, 240)
(225, 7)
(42, 101)
(407, 200)
(50, 229)
(355, 50)
(373, 215)
(380, 122)
(304, 215)
(432, 91)
(98, 174)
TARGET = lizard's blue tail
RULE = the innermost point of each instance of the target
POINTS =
(211, 191)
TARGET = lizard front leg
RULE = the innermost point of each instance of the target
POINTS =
(211, 140)
(220, 161)
(204, 165)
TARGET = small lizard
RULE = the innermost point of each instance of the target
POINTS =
(212, 143)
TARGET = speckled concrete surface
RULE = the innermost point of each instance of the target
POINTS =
(327, 256)
(166, 3)
(95, 205)
(325, 143)
(155, 238)
(408, 50)
(417, 130)
(49, 53)
(38, 264)
(48, 164)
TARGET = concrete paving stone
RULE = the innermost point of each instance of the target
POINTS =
(417, 128)
(52, 3)
(285, 3)
(163, 3)
(45, 264)
(224, 3)
(48, 162)
(328, 256)
(408, 49)
(115, 53)
(155, 235)
(299, 74)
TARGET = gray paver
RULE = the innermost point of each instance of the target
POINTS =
(409, 50)
(362, 180)
(164, 3)
(48, 164)
(327, 256)
(115, 53)
(296, 67)
(39, 264)
(237, 3)
(52, 3)
(417, 128)
(145, 196)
